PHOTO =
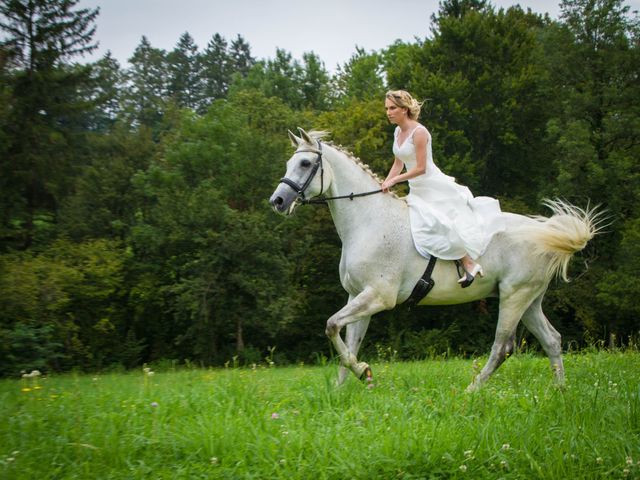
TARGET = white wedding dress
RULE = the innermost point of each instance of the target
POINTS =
(447, 221)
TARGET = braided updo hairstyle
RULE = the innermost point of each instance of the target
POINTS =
(403, 99)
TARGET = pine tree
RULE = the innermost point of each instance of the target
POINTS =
(315, 82)
(44, 33)
(185, 83)
(40, 38)
(216, 69)
(241, 59)
(147, 86)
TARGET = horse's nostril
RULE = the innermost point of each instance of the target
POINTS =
(278, 201)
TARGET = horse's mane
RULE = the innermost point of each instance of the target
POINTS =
(320, 134)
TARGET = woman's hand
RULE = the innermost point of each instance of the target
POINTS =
(387, 184)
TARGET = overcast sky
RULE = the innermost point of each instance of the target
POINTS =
(329, 28)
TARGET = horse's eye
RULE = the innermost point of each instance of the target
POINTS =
(305, 163)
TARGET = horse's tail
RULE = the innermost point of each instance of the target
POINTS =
(566, 232)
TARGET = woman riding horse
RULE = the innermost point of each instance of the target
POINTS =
(447, 221)
(380, 265)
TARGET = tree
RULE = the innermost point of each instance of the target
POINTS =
(315, 82)
(42, 34)
(486, 93)
(282, 79)
(185, 76)
(458, 8)
(106, 92)
(216, 69)
(103, 202)
(47, 112)
(361, 77)
(147, 85)
(64, 303)
(596, 130)
(240, 55)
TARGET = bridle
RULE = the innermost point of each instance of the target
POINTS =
(300, 189)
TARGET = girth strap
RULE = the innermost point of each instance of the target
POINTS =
(424, 285)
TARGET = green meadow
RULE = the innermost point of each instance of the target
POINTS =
(415, 421)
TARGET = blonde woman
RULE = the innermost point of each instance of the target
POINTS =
(447, 221)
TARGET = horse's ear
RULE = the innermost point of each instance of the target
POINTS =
(306, 137)
(295, 141)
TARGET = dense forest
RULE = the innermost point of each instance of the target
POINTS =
(134, 219)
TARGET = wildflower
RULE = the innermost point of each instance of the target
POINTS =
(214, 460)
(506, 446)
(599, 460)
(26, 389)
(625, 472)
(282, 461)
(629, 461)
(468, 454)
(154, 404)
(275, 416)
(463, 468)
(284, 432)
(504, 464)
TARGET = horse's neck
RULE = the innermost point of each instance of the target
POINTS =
(352, 216)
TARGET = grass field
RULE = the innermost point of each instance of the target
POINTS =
(291, 422)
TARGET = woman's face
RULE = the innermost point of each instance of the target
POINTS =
(394, 112)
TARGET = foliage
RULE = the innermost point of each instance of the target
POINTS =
(134, 223)
(44, 123)
(62, 308)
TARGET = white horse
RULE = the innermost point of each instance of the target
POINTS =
(380, 266)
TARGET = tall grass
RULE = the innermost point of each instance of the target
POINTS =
(415, 422)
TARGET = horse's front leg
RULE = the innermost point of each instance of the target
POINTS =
(353, 338)
(358, 309)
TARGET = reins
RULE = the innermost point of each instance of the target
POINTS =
(300, 189)
(323, 200)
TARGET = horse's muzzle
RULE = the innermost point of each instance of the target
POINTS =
(283, 200)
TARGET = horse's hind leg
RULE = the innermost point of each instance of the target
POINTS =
(353, 339)
(538, 324)
(512, 305)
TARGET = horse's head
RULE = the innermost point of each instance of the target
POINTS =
(306, 175)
